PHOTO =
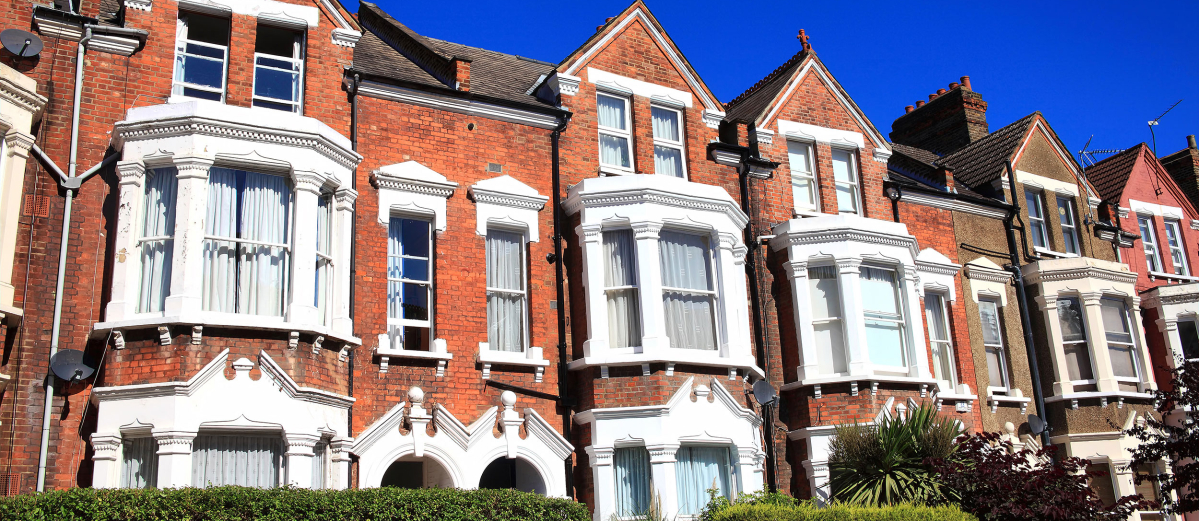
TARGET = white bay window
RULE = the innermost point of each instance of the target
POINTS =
(697, 470)
(1074, 342)
(139, 462)
(633, 478)
(324, 256)
(688, 292)
(1120, 345)
(157, 241)
(620, 286)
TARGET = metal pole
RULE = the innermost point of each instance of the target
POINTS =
(62, 262)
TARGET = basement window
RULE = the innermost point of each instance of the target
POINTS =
(278, 68)
(201, 56)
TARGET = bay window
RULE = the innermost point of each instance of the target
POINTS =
(1120, 346)
(620, 288)
(633, 476)
(615, 134)
(688, 290)
(1177, 252)
(324, 257)
(845, 173)
(506, 295)
(158, 238)
(247, 248)
(997, 375)
(884, 317)
(1189, 334)
(938, 338)
(1036, 217)
(201, 56)
(139, 463)
(409, 283)
(804, 190)
(1074, 342)
(668, 141)
(278, 68)
(698, 469)
(1065, 209)
(1153, 258)
(243, 460)
(826, 318)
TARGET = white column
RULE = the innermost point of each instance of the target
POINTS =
(1061, 375)
(817, 465)
(591, 241)
(750, 469)
(603, 482)
(1142, 347)
(12, 179)
(174, 458)
(918, 350)
(191, 209)
(1097, 341)
(343, 238)
(303, 253)
(730, 281)
(653, 318)
(1169, 329)
(340, 448)
(106, 464)
(801, 306)
(662, 461)
(299, 459)
(849, 282)
(126, 272)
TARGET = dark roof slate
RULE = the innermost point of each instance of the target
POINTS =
(492, 74)
(1110, 176)
(109, 13)
(982, 161)
(749, 105)
(919, 154)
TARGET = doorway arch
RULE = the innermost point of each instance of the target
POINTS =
(413, 472)
(516, 473)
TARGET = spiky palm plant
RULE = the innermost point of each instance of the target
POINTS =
(884, 464)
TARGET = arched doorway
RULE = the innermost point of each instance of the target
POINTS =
(512, 473)
(413, 472)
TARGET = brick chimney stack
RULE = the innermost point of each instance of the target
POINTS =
(1183, 166)
(462, 73)
(951, 119)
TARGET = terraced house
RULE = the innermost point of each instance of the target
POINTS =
(307, 246)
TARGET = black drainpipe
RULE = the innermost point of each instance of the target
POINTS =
(565, 401)
(1022, 301)
(353, 91)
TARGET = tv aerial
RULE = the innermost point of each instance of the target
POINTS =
(71, 365)
(1087, 157)
(1154, 122)
(23, 44)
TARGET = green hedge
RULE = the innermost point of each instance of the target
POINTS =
(288, 504)
(807, 512)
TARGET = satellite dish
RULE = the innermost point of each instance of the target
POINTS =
(23, 44)
(1036, 424)
(763, 392)
(70, 365)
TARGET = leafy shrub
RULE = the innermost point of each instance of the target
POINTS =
(885, 464)
(290, 504)
(1172, 438)
(807, 511)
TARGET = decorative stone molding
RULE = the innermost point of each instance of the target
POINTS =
(140, 5)
(105, 446)
(174, 442)
(402, 177)
(345, 37)
(192, 167)
(316, 345)
(882, 155)
(197, 335)
(24, 97)
(646, 230)
(1081, 273)
(118, 340)
(568, 85)
(713, 118)
(293, 340)
(505, 201)
(164, 335)
(18, 144)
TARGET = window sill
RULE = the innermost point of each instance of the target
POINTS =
(1171, 276)
(798, 213)
(612, 170)
(671, 357)
(531, 357)
(1016, 398)
(1054, 254)
(872, 379)
(224, 320)
(438, 352)
(1103, 396)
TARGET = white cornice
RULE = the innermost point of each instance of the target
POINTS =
(579, 199)
(420, 186)
(346, 37)
(1075, 273)
(21, 96)
(712, 118)
(130, 392)
(976, 272)
(459, 105)
(938, 268)
(845, 234)
(141, 5)
(305, 394)
(527, 202)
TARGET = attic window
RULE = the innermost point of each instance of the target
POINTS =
(278, 68)
(495, 168)
(201, 56)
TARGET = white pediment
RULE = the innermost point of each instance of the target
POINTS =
(505, 184)
(414, 171)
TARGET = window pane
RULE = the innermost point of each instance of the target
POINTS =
(614, 151)
(416, 302)
(632, 472)
(216, 53)
(995, 372)
(1115, 321)
(689, 309)
(159, 220)
(505, 319)
(668, 161)
(1035, 208)
(803, 193)
(505, 311)
(1123, 362)
(505, 260)
(885, 342)
(203, 72)
(624, 316)
(1102, 483)
(1148, 488)
(879, 291)
(415, 237)
(1078, 362)
(276, 40)
(847, 199)
(666, 124)
(842, 166)
(685, 261)
(1038, 234)
(139, 463)
(207, 29)
(415, 269)
(826, 297)
(934, 306)
(799, 157)
(698, 469)
(1069, 314)
(990, 322)
(611, 111)
(277, 84)
(242, 460)
(1190, 339)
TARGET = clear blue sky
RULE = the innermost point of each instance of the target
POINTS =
(1103, 68)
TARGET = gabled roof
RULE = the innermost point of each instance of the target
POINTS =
(751, 105)
(1110, 176)
(638, 11)
(390, 50)
(983, 161)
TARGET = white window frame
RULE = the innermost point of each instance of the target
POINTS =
(900, 318)
(297, 59)
(1069, 222)
(946, 343)
(838, 321)
(713, 277)
(324, 261)
(854, 184)
(1036, 199)
(1137, 366)
(626, 133)
(679, 145)
(1174, 240)
(999, 349)
(524, 282)
(1153, 254)
(809, 175)
(400, 322)
(1087, 342)
(636, 287)
(181, 43)
(1194, 321)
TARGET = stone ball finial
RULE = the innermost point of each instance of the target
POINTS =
(508, 398)
(416, 395)
(1009, 428)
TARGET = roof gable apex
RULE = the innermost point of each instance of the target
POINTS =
(811, 64)
(637, 11)
(1041, 125)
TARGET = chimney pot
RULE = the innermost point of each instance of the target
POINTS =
(966, 83)
(609, 19)
(954, 85)
(908, 108)
(1191, 142)
(941, 91)
(919, 103)
(932, 96)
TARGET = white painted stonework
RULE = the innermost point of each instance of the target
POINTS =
(828, 136)
(1174, 303)
(604, 79)
(196, 135)
(849, 242)
(648, 204)
(694, 415)
(20, 105)
(505, 202)
(459, 452)
(173, 413)
(412, 189)
(1160, 210)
